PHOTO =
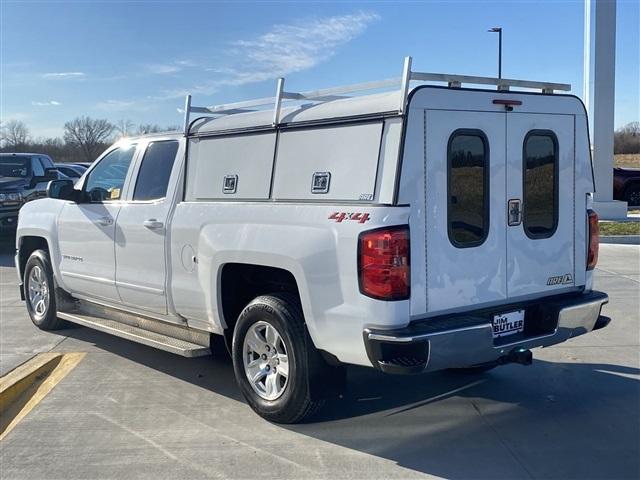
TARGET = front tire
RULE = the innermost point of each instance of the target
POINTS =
(632, 195)
(39, 290)
(274, 359)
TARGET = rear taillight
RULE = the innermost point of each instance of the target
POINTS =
(594, 240)
(383, 263)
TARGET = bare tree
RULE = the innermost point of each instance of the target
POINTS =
(88, 134)
(124, 128)
(145, 128)
(15, 134)
(627, 138)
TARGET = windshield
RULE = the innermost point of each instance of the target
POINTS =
(14, 166)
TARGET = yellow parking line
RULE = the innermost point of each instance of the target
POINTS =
(24, 387)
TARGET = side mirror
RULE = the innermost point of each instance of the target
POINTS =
(61, 189)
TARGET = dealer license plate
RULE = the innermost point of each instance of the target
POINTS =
(509, 323)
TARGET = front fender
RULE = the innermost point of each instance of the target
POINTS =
(39, 218)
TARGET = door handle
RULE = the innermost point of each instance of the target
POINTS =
(153, 224)
(104, 221)
(514, 212)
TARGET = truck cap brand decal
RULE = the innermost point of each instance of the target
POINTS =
(355, 216)
(560, 279)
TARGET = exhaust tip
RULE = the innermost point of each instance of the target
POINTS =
(520, 355)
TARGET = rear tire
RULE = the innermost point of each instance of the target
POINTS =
(632, 195)
(39, 292)
(271, 344)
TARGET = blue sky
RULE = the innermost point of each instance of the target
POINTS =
(136, 59)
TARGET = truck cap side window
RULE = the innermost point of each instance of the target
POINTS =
(106, 180)
(155, 170)
(468, 213)
(540, 188)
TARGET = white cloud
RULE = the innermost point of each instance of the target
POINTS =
(187, 63)
(50, 103)
(64, 75)
(111, 78)
(283, 50)
(115, 105)
(162, 69)
(287, 49)
(171, 67)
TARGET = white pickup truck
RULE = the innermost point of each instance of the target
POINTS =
(413, 230)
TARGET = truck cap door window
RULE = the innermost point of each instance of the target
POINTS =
(468, 188)
(155, 170)
(106, 180)
(540, 152)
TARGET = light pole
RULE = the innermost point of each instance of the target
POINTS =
(498, 30)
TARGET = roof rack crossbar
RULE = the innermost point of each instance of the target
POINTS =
(336, 93)
(499, 82)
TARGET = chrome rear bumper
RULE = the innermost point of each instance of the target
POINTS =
(467, 340)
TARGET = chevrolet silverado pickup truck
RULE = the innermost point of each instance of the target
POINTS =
(418, 229)
(23, 177)
(626, 185)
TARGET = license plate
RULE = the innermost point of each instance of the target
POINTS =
(509, 323)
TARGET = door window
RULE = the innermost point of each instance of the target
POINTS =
(540, 187)
(106, 180)
(153, 177)
(468, 188)
(46, 162)
(38, 170)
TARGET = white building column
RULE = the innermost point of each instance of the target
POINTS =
(599, 98)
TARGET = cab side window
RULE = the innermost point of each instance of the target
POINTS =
(106, 181)
(153, 177)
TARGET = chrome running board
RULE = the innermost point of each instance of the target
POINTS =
(147, 331)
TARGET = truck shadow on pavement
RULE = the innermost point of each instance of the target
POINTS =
(552, 419)
(7, 249)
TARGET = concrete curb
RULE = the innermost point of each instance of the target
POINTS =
(22, 388)
(621, 239)
(18, 380)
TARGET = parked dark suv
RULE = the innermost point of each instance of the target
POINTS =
(626, 185)
(23, 177)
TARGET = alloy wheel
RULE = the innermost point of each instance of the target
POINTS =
(265, 360)
(38, 291)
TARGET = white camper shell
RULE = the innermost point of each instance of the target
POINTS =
(413, 230)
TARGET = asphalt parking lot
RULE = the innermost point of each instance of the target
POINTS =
(129, 411)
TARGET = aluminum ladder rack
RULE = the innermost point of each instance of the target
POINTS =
(335, 93)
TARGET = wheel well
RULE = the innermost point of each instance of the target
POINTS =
(241, 283)
(28, 245)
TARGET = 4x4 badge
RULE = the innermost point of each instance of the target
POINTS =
(356, 216)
